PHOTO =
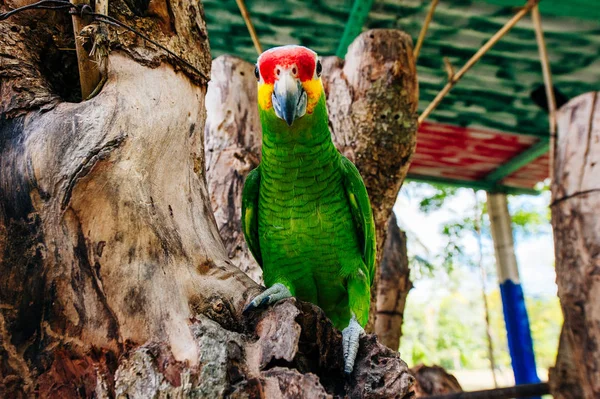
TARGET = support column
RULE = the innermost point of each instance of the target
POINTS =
(520, 343)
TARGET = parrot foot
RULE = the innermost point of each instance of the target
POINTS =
(271, 295)
(350, 341)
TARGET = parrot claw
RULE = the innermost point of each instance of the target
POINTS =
(269, 296)
(350, 342)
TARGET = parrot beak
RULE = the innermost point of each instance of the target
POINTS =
(289, 97)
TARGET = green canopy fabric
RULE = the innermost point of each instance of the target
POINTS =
(495, 94)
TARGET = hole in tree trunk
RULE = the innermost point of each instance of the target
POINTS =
(58, 64)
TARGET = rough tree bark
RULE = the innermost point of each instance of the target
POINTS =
(113, 278)
(563, 377)
(233, 138)
(575, 204)
(434, 380)
(393, 287)
(372, 100)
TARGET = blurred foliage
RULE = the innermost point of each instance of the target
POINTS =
(421, 267)
(528, 220)
(435, 201)
(448, 327)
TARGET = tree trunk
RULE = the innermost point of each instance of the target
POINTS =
(394, 286)
(372, 101)
(575, 204)
(113, 278)
(563, 377)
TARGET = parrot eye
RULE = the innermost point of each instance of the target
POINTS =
(319, 68)
(256, 73)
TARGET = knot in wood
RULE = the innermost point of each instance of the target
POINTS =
(218, 305)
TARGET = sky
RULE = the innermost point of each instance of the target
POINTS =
(535, 253)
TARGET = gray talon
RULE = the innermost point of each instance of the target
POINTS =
(350, 342)
(269, 296)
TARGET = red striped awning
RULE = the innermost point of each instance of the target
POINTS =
(447, 153)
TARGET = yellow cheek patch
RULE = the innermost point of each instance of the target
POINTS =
(314, 90)
(265, 93)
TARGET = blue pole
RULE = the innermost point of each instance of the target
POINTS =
(518, 333)
(520, 344)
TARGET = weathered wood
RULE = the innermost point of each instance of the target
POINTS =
(394, 286)
(114, 280)
(372, 101)
(433, 380)
(563, 378)
(39, 67)
(575, 204)
(233, 138)
(107, 241)
(89, 73)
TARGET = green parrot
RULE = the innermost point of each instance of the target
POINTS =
(306, 214)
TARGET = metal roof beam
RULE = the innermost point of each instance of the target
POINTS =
(532, 153)
(474, 184)
(356, 20)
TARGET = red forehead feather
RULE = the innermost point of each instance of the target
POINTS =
(285, 57)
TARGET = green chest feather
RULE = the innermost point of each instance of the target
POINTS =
(305, 224)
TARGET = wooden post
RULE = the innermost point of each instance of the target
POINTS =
(102, 7)
(518, 334)
(89, 74)
(575, 205)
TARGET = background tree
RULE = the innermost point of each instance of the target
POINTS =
(576, 225)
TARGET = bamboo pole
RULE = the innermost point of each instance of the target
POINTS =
(249, 25)
(483, 279)
(102, 7)
(476, 57)
(89, 75)
(539, 35)
(424, 28)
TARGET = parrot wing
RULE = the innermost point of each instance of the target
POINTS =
(361, 212)
(250, 213)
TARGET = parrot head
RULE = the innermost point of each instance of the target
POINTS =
(289, 82)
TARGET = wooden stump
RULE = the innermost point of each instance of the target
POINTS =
(575, 205)
(434, 380)
(114, 281)
(393, 288)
